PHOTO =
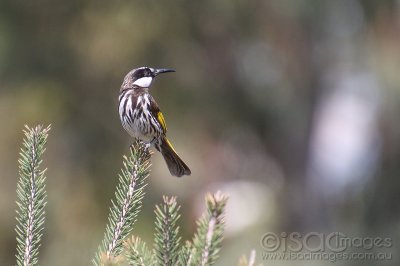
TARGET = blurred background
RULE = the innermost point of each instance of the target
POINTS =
(289, 107)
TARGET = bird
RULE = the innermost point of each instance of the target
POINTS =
(142, 118)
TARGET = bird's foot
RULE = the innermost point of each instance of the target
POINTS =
(147, 146)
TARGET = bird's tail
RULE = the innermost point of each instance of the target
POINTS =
(175, 164)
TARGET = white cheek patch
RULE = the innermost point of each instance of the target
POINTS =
(143, 82)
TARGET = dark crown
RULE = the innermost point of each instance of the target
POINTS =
(145, 73)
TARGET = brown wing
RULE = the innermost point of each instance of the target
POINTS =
(155, 110)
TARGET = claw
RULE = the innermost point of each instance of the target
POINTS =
(147, 146)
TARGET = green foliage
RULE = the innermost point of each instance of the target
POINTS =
(166, 239)
(203, 250)
(244, 261)
(137, 253)
(167, 251)
(127, 204)
(31, 195)
(207, 240)
(186, 254)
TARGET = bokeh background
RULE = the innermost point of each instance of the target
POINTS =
(289, 107)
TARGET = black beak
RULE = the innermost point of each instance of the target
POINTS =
(162, 70)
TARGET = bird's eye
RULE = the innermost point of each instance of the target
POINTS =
(141, 73)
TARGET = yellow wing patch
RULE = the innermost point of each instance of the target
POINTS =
(169, 144)
(161, 120)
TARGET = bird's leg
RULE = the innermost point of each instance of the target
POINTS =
(146, 145)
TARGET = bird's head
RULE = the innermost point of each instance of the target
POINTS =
(142, 77)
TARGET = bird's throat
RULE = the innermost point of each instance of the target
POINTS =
(144, 82)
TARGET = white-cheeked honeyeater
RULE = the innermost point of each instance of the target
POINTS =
(142, 119)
